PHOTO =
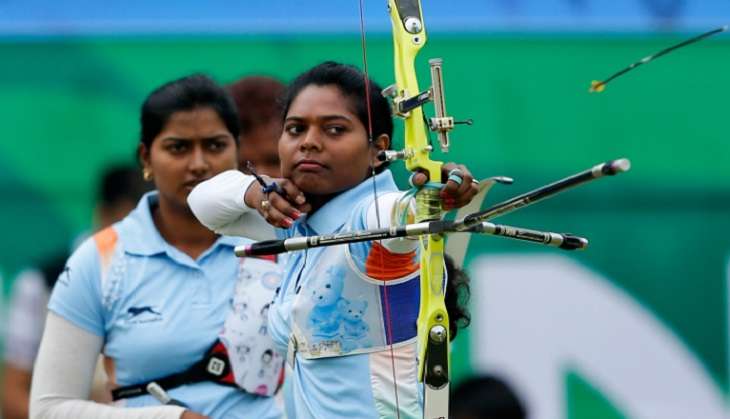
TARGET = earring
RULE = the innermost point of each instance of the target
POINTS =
(147, 174)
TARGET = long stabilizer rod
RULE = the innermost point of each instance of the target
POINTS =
(609, 168)
(471, 223)
(272, 247)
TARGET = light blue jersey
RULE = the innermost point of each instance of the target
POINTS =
(332, 319)
(157, 309)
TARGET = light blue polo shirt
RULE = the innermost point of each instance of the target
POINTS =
(157, 309)
(356, 386)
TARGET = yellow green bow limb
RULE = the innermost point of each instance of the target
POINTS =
(409, 36)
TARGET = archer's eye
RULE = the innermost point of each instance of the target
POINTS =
(294, 129)
(217, 145)
(335, 130)
(177, 147)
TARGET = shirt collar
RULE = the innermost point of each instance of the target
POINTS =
(144, 239)
(330, 217)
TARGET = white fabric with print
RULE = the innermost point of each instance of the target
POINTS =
(339, 310)
(257, 367)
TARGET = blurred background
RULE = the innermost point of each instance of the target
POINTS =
(634, 327)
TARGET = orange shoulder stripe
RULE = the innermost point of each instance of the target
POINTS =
(105, 241)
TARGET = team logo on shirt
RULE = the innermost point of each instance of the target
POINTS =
(143, 314)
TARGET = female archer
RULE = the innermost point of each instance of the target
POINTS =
(344, 315)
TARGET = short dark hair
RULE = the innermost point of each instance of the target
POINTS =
(185, 94)
(121, 183)
(258, 99)
(351, 82)
(486, 396)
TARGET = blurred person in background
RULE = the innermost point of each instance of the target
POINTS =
(258, 99)
(485, 397)
(259, 111)
(118, 192)
(154, 290)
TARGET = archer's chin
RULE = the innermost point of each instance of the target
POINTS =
(310, 183)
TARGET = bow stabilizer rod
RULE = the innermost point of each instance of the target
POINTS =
(563, 241)
(272, 247)
(609, 168)
(475, 222)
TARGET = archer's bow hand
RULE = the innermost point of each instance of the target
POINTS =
(459, 188)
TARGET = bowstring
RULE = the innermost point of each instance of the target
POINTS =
(388, 318)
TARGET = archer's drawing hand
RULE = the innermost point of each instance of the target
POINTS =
(280, 207)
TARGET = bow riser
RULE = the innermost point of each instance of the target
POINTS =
(409, 36)
(406, 46)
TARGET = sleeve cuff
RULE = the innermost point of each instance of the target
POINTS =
(218, 201)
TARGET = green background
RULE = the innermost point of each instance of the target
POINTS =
(69, 106)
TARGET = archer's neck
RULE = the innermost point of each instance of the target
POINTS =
(179, 227)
